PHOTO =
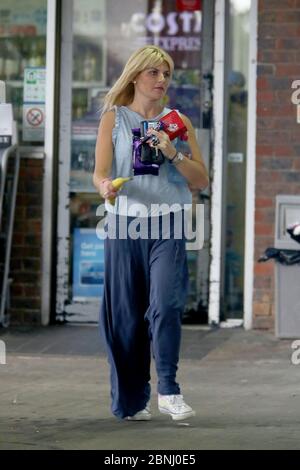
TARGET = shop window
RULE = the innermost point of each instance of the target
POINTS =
(22, 64)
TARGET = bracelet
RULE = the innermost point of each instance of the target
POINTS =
(171, 159)
(179, 157)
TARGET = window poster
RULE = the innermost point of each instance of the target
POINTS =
(34, 104)
(88, 264)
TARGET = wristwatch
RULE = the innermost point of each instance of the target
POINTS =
(177, 159)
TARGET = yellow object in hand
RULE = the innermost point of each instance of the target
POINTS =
(117, 184)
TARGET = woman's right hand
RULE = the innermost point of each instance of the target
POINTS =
(106, 189)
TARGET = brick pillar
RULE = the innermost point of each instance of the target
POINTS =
(278, 136)
(26, 247)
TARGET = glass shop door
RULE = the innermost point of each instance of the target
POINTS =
(97, 38)
(235, 159)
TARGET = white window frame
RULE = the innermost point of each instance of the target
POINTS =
(48, 191)
(250, 171)
(217, 167)
(217, 164)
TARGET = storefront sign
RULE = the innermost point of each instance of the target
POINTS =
(172, 23)
(34, 104)
(88, 264)
(136, 23)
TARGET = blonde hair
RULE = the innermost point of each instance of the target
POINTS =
(122, 92)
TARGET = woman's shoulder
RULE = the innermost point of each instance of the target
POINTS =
(113, 114)
(116, 112)
(110, 112)
(108, 118)
(186, 120)
(111, 120)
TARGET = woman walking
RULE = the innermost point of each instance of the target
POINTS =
(146, 278)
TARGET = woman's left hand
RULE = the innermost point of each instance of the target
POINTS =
(164, 143)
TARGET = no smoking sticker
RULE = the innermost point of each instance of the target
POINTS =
(33, 122)
(35, 117)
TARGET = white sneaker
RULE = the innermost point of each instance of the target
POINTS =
(143, 415)
(175, 406)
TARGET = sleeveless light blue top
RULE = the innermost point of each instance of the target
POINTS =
(144, 195)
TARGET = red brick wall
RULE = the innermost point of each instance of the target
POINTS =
(26, 247)
(278, 136)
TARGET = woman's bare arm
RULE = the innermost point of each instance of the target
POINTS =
(104, 149)
(193, 169)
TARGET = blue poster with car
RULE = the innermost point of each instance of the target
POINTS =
(88, 264)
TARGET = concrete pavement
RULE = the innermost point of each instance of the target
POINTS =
(54, 393)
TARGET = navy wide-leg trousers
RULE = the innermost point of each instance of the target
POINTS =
(145, 290)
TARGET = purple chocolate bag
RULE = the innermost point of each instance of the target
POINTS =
(140, 168)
